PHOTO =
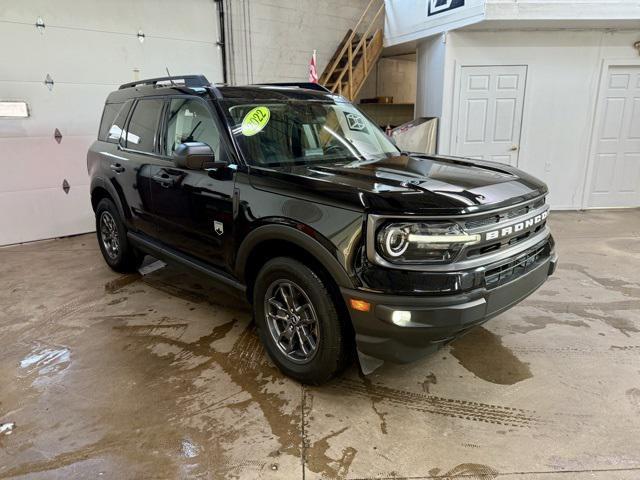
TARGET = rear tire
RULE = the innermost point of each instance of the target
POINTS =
(303, 334)
(116, 249)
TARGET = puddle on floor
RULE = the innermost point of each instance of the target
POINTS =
(45, 362)
(538, 323)
(482, 353)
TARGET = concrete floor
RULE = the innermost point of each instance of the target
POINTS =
(162, 376)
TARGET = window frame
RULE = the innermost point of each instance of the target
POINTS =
(126, 109)
(230, 157)
(119, 107)
(123, 146)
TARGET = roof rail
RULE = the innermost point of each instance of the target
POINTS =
(307, 85)
(184, 80)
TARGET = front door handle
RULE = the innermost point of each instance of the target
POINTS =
(116, 167)
(513, 148)
(164, 179)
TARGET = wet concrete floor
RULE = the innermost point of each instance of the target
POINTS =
(162, 376)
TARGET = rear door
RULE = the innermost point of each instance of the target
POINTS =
(490, 112)
(129, 165)
(193, 209)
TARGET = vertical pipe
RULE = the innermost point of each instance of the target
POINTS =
(221, 39)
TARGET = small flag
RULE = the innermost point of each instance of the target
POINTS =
(313, 72)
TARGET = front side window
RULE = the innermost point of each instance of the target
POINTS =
(276, 133)
(190, 121)
(143, 125)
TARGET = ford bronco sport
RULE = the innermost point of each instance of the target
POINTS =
(341, 242)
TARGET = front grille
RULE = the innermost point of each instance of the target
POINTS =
(520, 265)
(509, 242)
(505, 215)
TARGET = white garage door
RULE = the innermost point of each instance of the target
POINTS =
(87, 49)
(490, 112)
(615, 181)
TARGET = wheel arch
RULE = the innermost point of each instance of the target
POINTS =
(101, 189)
(271, 241)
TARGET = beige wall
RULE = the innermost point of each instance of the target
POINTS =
(273, 39)
(393, 77)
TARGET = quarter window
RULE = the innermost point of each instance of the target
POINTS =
(191, 121)
(108, 117)
(143, 125)
(115, 126)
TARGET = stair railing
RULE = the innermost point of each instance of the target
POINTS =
(351, 52)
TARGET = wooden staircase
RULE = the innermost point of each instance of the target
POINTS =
(356, 55)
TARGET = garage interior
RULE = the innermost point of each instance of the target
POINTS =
(160, 374)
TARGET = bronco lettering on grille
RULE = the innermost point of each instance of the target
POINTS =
(516, 227)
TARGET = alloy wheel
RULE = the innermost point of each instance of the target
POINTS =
(292, 321)
(109, 235)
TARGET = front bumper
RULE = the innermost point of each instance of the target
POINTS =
(435, 320)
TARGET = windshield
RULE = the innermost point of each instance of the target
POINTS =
(278, 133)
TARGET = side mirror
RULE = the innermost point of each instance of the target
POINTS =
(195, 156)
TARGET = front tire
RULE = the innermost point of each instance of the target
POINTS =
(298, 322)
(112, 239)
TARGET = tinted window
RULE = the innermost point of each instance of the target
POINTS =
(297, 132)
(115, 130)
(108, 116)
(143, 125)
(191, 121)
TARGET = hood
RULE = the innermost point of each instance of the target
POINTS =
(405, 184)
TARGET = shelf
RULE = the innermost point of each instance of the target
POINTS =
(392, 114)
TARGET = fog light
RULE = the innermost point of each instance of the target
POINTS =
(360, 305)
(401, 318)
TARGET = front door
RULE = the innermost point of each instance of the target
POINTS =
(490, 112)
(615, 181)
(193, 209)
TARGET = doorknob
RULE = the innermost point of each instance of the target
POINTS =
(513, 148)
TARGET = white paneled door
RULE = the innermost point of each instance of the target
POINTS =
(490, 112)
(615, 181)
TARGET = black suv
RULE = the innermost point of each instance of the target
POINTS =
(340, 241)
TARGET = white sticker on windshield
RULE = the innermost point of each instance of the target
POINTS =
(355, 121)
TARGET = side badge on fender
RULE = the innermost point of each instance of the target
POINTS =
(218, 227)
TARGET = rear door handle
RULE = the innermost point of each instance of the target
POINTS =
(116, 167)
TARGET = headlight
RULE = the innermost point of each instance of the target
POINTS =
(422, 242)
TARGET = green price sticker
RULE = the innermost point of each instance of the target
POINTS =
(255, 121)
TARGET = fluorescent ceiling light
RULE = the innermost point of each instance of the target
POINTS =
(13, 109)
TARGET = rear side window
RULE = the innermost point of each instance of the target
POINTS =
(115, 130)
(141, 134)
(108, 116)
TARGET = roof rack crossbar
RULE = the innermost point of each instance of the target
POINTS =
(307, 85)
(186, 80)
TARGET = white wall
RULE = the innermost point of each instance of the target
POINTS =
(431, 67)
(564, 69)
(88, 48)
(562, 9)
(273, 39)
(408, 20)
(411, 20)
